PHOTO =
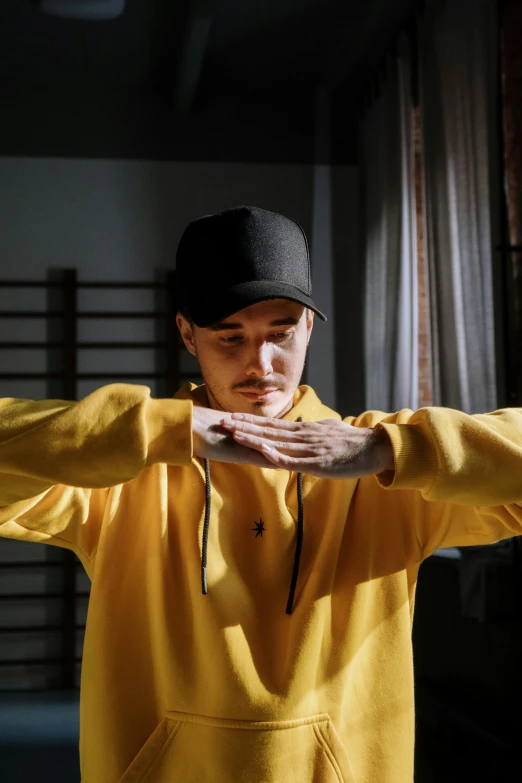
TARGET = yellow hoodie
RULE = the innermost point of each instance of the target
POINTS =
(226, 687)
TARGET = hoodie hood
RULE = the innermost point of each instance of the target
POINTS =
(306, 405)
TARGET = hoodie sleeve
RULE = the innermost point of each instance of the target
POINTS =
(58, 458)
(459, 474)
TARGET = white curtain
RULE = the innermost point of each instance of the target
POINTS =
(390, 252)
(457, 68)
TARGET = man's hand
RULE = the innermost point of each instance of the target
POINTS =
(329, 448)
(212, 441)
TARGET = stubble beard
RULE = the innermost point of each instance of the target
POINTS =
(260, 407)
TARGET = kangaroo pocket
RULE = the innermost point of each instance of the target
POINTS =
(187, 748)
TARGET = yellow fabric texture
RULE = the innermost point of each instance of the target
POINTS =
(180, 686)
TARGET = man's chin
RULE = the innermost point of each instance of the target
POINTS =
(271, 406)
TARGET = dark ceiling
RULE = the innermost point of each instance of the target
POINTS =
(204, 79)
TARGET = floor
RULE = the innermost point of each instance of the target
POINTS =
(39, 737)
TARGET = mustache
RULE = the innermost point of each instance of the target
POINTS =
(256, 384)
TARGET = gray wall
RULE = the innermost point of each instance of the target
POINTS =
(347, 280)
(122, 219)
(335, 363)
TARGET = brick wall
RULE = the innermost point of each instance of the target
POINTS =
(425, 376)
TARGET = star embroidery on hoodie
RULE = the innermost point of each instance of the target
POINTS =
(259, 528)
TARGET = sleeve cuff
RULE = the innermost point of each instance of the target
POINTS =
(169, 427)
(415, 459)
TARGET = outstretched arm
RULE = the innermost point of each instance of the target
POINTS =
(104, 440)
(445, 454)
(468, 467)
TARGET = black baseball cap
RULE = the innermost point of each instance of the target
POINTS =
(228, 261)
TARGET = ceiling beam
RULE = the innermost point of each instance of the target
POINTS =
(195, 38)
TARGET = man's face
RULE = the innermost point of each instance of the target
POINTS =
(252, 362)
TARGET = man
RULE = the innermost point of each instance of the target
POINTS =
(253, 575)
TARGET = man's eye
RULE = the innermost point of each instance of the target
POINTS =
(280, 336)
(230, 340)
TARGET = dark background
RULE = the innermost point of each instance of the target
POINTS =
(243, 81)
(221, 80)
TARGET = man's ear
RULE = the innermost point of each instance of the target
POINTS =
(309, 323)
(187, 333)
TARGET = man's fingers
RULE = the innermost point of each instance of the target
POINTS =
(296, 464)
(276, 458)
(256, 442)
(261, 421)
(261, 431)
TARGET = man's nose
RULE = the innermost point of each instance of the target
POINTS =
(260, 361)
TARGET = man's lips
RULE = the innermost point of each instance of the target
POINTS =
(265, 394)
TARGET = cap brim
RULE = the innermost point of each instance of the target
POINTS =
(209, 309)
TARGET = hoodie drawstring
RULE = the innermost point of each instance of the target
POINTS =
(206, 525)
(298, 542)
